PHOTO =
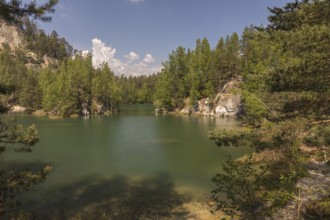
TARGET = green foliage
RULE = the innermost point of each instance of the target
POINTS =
(237, 188)
(255, 111)
(162, 97)
(69, 87)
(278, 185)
(287, 67)
(170, 88)
(29, 93)
(318, 136)
(139, 89)
(295, 14)
(14, 10)
(305, 66)
(200, 69)
(46, 45)
(198, 73)
(76, 85)
(27, 137)
(46, 79)
(259, 56)
(12, 71)
(105, 88)
(285, 70)
(14, 182)
(285, 136)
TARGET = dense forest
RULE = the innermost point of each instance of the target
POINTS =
(49, 74)
(286, 97)
(198, 73)
(285, 93)
(270, 61)
(62, 81)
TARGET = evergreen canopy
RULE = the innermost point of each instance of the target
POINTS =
(12, 11)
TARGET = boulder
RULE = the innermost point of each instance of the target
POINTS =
(17, 109)
(39, 113)
(220, 110)
(228, 101)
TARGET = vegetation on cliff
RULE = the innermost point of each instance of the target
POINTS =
(49, 74)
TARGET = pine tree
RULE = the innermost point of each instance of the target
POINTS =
(13, 11)
(285, 70)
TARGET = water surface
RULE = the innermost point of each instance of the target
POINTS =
(95, 158)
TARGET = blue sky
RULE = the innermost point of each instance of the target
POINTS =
(134, 31)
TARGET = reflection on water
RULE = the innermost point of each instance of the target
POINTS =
(209, 122)
(132, 147)
(161, 141)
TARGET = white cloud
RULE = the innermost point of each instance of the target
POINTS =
(136, 1)
(105, 54)
(84, 53)
(101, 53)
(132, 56)
(148, 58)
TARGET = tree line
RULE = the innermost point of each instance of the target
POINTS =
(199, 73)
(68, 85)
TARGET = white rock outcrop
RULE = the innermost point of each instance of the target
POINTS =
(227, 102)
(10, 35)
(17, 109)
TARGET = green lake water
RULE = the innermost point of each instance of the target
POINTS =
(102, 158)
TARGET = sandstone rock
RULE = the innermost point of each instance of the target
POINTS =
(13, 37)
(220, 110)
(17, 109)
(10, 35)
(228, 101)
(39, 113)
(185, 110)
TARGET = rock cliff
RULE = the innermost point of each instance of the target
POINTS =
(10, 35)
(226, 103)
(13, 37)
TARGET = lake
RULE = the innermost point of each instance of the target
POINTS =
(133, 156)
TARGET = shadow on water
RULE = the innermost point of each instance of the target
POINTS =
(8, 166)
(115, 198)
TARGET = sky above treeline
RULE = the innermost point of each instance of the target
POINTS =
(135, 36)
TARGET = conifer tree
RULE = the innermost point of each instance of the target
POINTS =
(14, 10)
(285, 69)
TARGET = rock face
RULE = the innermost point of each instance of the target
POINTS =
(17, 109)
(312, 188)
(14, 38)
(226, 103)
(10, 35)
